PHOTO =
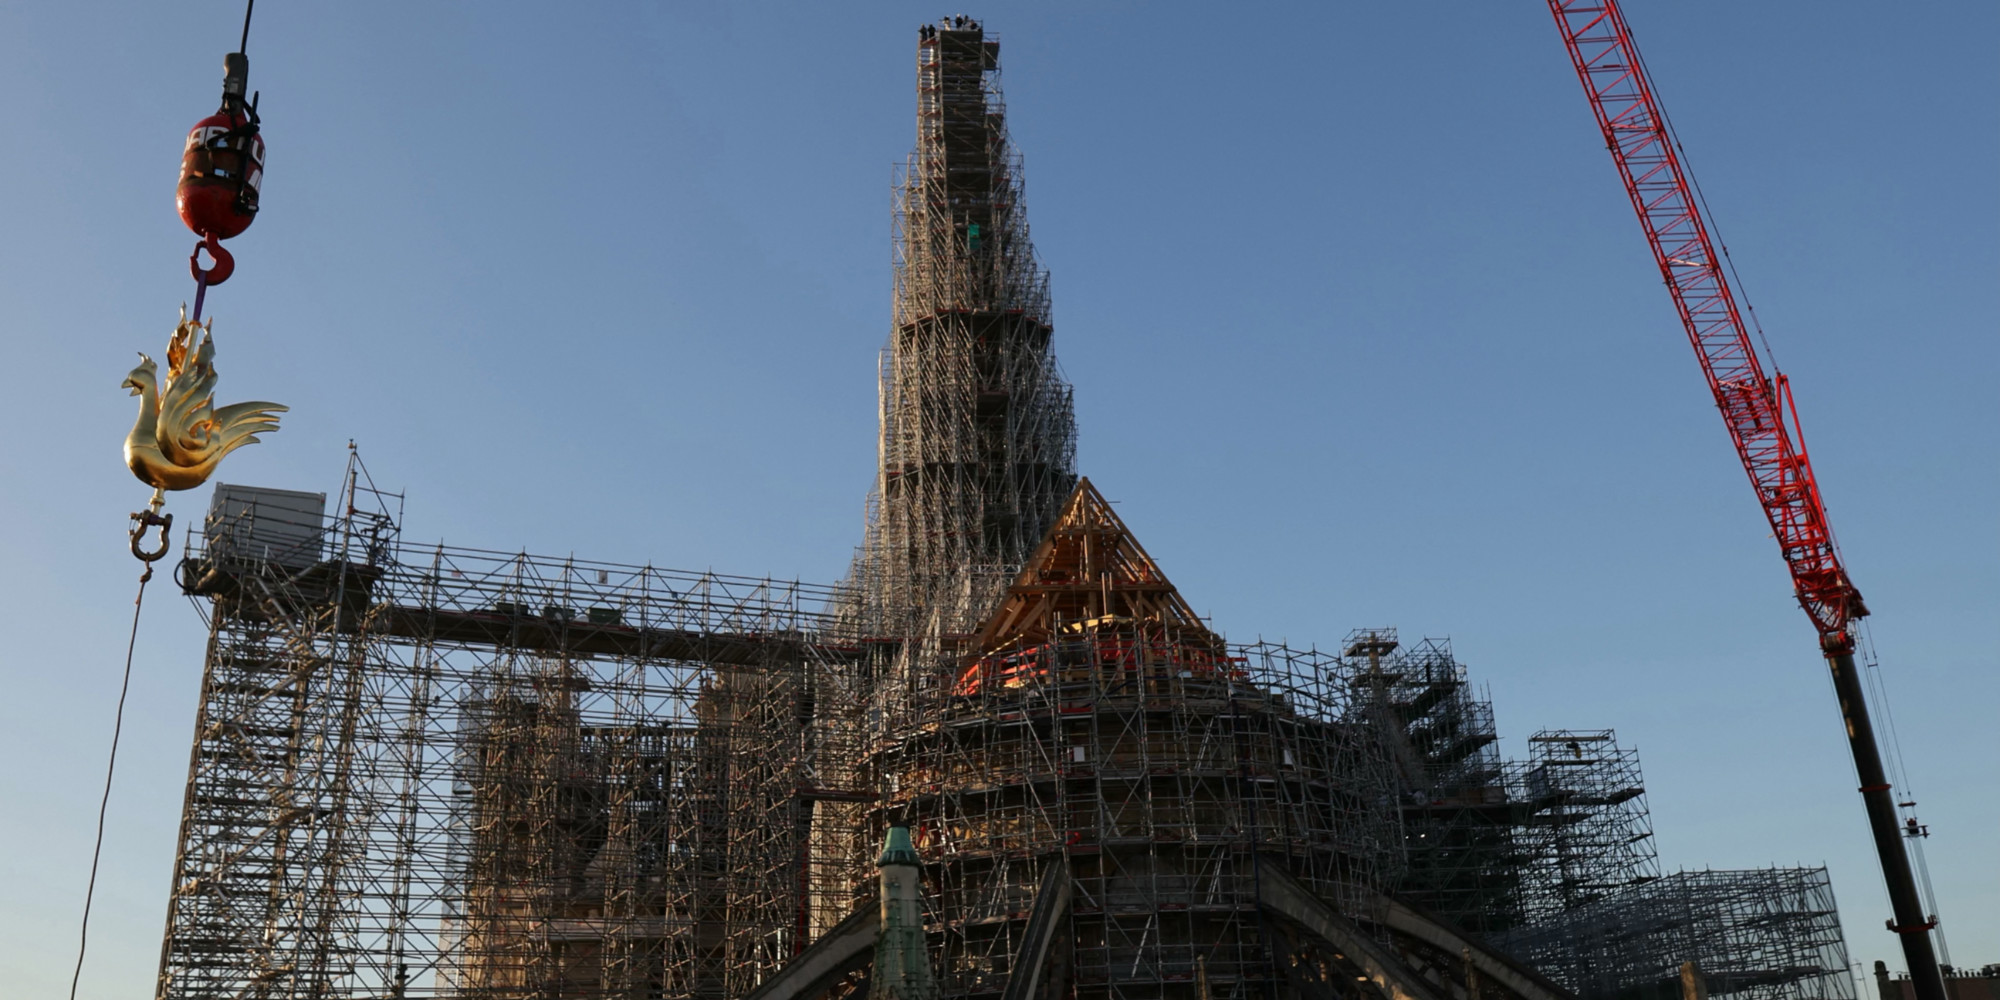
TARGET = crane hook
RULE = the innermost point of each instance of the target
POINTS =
(219, 272)
(151, 518)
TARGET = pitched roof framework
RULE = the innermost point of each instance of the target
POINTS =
(1088, 568)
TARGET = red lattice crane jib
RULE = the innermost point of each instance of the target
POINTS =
(1756, 407)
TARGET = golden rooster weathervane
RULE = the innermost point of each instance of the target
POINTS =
(181, 435)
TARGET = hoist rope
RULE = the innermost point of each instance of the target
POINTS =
(110, 768)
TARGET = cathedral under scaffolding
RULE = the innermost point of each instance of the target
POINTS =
(425, 771)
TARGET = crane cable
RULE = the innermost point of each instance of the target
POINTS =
(110, 768)
(1914, 833)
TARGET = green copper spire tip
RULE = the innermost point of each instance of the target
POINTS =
(896, 848)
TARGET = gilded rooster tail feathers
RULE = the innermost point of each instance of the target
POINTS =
(240, 423)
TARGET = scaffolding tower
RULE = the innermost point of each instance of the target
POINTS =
(1585, 828)
(978, 438)
(1461, 814)
(452, 772)
(1758, 934)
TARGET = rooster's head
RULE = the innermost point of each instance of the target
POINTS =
(142, 378)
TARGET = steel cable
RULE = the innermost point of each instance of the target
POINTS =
(110, 768)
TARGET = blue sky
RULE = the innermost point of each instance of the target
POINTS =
(1362, 332)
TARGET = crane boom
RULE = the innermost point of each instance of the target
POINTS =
(1756, 406)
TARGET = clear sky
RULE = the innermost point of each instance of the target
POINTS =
(1361, 327)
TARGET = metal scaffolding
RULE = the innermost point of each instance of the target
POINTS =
(1760, 934)
(1586, 830)
(1553, 857)
(469, 773)
(1460, 804)
(978, 439)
